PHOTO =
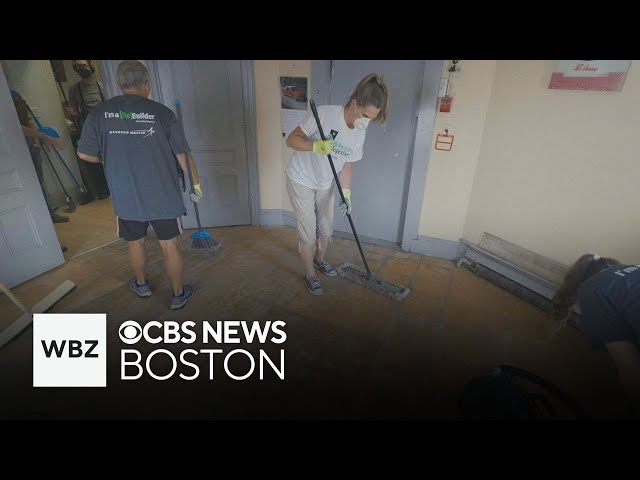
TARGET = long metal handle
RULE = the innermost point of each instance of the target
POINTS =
(73, 119)
(68, 170)
(44, 150)
(335, 176)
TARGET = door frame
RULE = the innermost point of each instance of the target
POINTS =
(25, 179)
(321, 71)
(108, 72)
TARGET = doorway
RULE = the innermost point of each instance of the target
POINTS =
(389, 180)
(213, 95)
(218, 106)
(78, 200)
(222, 120)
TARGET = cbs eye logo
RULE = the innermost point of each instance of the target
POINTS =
(130, 332)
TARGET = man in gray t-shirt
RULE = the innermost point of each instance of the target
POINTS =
(139, 141)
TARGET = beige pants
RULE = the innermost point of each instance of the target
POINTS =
(314, 209)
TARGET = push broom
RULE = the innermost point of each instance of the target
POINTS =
(348, 270)
(202, 239)
(71, 205)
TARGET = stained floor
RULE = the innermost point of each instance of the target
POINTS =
(351, 353)
(90, 226)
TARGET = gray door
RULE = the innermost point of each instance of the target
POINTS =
(381, 178)
(211, 95)
(28, 242)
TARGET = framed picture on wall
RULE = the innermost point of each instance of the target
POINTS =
(604, 75)
(293, 93)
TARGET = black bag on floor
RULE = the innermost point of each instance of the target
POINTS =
(501, 396)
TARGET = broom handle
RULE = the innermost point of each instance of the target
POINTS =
(73, 120)
(186, 157)
(335, 176)
(44, 150)
(67, 169)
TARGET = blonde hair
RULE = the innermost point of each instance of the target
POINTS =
(371, 90)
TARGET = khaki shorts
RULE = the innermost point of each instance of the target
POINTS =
(314, 209)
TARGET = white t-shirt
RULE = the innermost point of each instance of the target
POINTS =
(313, 170)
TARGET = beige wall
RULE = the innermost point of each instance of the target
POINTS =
(554, 171)
(558, 170)
(450, 174)
(35, 82)
(273, 153)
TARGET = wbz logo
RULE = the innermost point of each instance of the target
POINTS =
(75, 348)
(69, 350)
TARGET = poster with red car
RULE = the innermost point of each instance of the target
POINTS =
(293, 93)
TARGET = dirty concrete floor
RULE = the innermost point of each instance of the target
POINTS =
(351, 353)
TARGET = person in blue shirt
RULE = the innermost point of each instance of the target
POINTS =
(36, 141)
(607, 294)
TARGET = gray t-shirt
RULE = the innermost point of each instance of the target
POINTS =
(83, 97)
(82, 94)
(138, 140)
(610, 305)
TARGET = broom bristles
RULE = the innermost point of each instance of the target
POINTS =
(358, 275)
(203, 240)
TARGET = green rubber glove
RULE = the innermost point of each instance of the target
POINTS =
(346, 207)
(323, 147)
(196, 193)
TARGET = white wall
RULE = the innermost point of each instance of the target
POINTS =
(268, 133)
(450, 174)
(273, 153)
(558, 170)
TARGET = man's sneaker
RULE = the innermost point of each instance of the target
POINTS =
(180, 301)
(325, 268)
(313, 285)
(143, 290)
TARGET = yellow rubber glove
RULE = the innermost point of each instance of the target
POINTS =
(346, 207)
(196, 193)
(323, 147)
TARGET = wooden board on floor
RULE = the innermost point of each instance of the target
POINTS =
(42, 306)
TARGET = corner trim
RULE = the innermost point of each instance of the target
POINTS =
(289, 219)
(422, 137)
(251, 147)
(435, 247)
(271, 217)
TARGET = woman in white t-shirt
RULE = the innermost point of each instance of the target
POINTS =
(310, 182)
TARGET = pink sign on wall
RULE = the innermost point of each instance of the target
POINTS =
(606, 75)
